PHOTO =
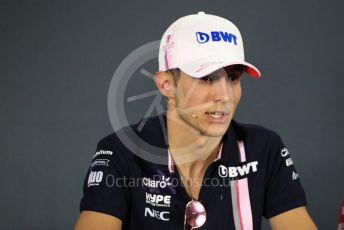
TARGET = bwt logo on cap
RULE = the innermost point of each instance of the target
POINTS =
(216, 36)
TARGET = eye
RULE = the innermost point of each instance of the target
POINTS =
(234, 77)
(206, 78)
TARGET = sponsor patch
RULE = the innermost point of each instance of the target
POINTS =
(100, 162)
(295, 176)
(150, 183)
(216, 36)
(238, 171)
(284, 152)
(158, 200)
(160, 215)
(94, 178)
(286, 155)
(102, 152)
(289, 162)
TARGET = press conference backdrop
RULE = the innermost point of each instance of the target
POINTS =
(57, 59)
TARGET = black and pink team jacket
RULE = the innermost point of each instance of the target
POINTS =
(253, 176)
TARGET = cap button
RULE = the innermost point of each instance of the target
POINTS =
(201, 13)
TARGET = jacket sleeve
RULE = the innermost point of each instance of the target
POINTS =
(283, 187)
(104, 187)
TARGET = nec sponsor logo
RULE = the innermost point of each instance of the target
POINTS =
(164, 216)
(100, 162)
(163, 183)
(216, 36)
(158, 200)
(238, 171)
(102, 152)
(94, 178)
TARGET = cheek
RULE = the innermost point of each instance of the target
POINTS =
(187, 96)
(237, 93)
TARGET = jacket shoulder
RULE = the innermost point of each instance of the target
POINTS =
(256, 132)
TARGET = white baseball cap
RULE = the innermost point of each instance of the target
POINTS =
(200, 44)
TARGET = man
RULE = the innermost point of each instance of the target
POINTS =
(230, 174)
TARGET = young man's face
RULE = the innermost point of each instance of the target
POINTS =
(208, 104)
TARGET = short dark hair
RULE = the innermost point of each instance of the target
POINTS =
(175, 73)
(236, 67)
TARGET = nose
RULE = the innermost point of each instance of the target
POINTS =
(222, 90)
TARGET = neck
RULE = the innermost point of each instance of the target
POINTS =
(187, 146)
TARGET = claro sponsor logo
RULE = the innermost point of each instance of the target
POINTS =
(94, 178)
(163, 183)
(160, 215)
(102, 152)
(238, 171)
(158, 200)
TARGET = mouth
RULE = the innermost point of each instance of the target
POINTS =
(216, 114)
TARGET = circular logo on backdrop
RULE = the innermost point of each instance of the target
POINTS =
(133, 97)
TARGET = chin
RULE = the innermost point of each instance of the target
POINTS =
(218, 131)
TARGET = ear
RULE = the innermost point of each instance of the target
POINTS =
(165, 83)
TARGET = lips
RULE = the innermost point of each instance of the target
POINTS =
(217, 116)
(216, 113)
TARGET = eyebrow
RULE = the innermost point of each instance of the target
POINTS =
(234, 68)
